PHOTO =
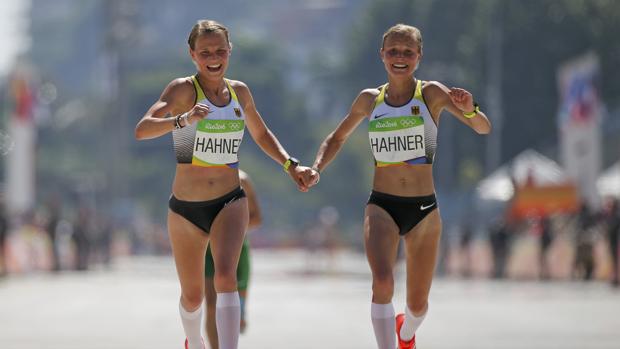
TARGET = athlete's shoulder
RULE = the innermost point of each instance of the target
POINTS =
(180, 89)
(181, 86)
(370, 93)
(435, 91)
(239, 86)
(181, 83)
(241, 89)
(432, 86)
(363, 104)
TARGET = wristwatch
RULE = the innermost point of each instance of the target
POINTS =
(473, 113)
(290, 161)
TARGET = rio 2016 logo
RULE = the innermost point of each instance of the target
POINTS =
(407, 123)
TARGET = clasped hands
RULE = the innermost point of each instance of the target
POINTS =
(305, 177)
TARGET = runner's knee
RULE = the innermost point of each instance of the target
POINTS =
(417, 305)
(225, 280)
(383, 286)
(192, 299)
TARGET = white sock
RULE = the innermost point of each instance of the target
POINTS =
(411, 324)
(383, 323)
(227, 318)
(192, 324)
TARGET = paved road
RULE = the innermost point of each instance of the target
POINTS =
(134, 306)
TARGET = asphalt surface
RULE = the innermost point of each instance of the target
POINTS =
(295, 303)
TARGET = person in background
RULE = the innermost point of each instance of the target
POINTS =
(546, 239)
(53, 217)
(500, 242)
(613, 235)
(584, 255)
(82, 238)
(4, 227)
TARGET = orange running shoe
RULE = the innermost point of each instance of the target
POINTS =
(400, 319)
(187, 343)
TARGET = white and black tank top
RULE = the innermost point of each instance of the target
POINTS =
(404, 135)
(215, 140)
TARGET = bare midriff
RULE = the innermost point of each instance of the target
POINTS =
(197, 183)
(404, 180)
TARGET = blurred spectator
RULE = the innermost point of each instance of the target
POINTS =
(29, 247)
(320, 241)
(546, 238)
(81, 239)
(500, 243)
(4, 227)
(66, 249)
(103, 240)
(584, 257)
(53, 217)
(613, 232)
(465, 245)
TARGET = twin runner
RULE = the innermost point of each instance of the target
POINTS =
(403, 119)
(207, 115)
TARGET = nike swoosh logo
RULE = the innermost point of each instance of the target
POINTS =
(380, 115)
(422, 207)
(231, 201)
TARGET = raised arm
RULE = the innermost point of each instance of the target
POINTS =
(459, 102)
(163, 115)
(360, 109)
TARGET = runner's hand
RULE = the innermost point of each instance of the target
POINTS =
(301, 176)
(197, 113)
(462, 99)
(314, 178)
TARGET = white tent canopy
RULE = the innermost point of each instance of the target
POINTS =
(528, 165)
(608, 183)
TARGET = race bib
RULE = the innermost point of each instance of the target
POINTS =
(217, 142)
(397, 139)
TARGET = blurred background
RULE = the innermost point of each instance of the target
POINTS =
(534, 200)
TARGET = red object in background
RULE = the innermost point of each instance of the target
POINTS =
(543, 201)
(23, 99)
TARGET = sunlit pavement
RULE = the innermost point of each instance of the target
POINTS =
(300, 301)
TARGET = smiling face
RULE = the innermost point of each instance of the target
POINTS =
(402, 50)
(210, 54)
(400, 54)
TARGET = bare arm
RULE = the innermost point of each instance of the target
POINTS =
(178, 97)
(361, 108)
(262, 135)
(457, 101)
(256, 218)
(265, 139)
